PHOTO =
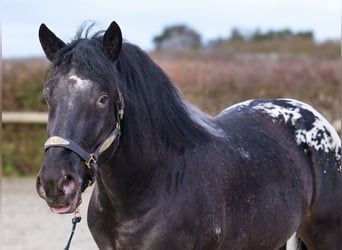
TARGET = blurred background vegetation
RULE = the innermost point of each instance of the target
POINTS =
(211, 75)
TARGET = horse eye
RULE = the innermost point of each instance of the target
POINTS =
(103, 100)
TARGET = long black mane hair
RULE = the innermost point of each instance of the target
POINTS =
(156, 107)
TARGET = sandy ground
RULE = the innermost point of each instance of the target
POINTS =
(29, 224)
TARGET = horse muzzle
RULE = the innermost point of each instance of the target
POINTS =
(90, 159)
(63, 198)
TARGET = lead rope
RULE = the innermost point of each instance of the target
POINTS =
(75, 220)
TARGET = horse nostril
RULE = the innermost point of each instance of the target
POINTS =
(68, 184)
(40, 188)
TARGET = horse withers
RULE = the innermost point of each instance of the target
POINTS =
(170, 177)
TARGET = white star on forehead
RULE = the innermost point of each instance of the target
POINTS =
(80, 84)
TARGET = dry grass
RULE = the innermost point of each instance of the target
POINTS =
(23, 84)
(215, 84)
(211, 82)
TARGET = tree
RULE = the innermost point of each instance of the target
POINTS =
(178, 38)
(236, 35)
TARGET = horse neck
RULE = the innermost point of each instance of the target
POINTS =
(128, 180)
(158, 126)
(146, 157)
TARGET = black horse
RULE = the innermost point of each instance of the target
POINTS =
(170, 177)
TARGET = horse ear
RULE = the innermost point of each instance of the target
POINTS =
(112, 41)
(50, 43)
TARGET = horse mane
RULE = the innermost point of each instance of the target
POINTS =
(156, 111)
(156, 115)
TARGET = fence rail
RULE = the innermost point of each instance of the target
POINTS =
(41, 117)
(24, 117)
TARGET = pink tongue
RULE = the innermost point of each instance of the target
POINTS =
(61, 210)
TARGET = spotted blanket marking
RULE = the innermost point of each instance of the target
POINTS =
(311, 127)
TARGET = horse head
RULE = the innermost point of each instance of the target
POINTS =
(85, 109)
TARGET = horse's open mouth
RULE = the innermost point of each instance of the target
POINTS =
(61, 210)
(67, 208)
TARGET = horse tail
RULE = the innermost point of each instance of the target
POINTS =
(295, 243)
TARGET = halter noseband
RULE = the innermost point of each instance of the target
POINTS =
(90, 159)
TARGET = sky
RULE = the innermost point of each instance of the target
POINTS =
(141, 20)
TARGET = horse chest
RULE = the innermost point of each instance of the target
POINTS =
(169, 227)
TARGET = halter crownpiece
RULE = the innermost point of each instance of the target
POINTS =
(90, 159)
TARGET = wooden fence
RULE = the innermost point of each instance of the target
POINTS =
(41, 117)
(24, 117)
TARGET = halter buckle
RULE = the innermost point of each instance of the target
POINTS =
(90, 161)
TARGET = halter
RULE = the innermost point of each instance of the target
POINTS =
(90, 159)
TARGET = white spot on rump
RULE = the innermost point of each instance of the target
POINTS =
(318, 138)
(322, 135)
(276, 112)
